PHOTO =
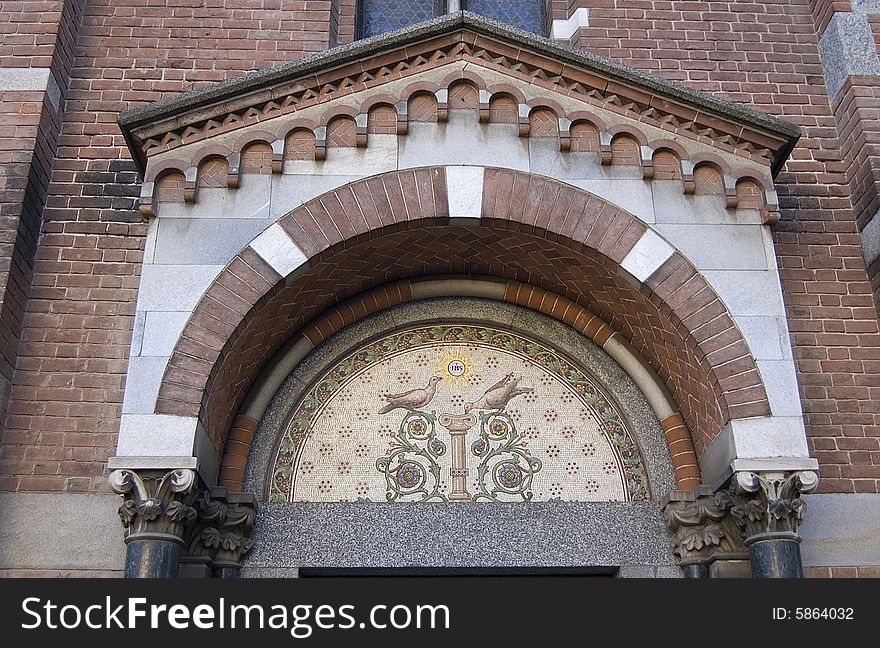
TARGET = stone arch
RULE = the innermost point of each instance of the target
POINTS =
(543, 122)
(396, 226)
(422, 106)
(299, 144)
(382, 119)
(503, 109)
(709, 178)
(579, 319)
(341, 131)
(256, 157)
(584, 136)
(212, 171)
(625, 149)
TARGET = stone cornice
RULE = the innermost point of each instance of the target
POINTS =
(285, 89)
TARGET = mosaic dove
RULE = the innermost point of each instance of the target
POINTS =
(499, 395)
(413, 399)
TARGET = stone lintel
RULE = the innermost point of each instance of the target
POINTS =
(770, 443)
(154, 437)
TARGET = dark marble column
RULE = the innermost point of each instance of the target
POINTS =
(695, 570)
(776, 558)
(155, 512)
(152, 558)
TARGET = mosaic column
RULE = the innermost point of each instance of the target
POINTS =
(768, 509)
(155, 512)
(458, 426)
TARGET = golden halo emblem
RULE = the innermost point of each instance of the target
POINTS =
(457, 369)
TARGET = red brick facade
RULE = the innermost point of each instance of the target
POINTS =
(68, 306)
(64, 409)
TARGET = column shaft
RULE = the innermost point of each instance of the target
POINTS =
(776, 558)
(152, 558)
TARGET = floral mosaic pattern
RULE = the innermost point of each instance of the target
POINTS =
(368, 428)
(410, 467)
(507, 467)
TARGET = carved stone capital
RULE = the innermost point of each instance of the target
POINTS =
(703, 529)
(157, 504)
(223, 528)
(768, 504)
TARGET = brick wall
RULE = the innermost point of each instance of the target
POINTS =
(859, 105)
(874, 274)
(858, 113)
(824, 10)
(37, 39)
(29, 32)
(20, 184)
(64, 407)
(857, 109)
(868, 571)
(562, 9)
(343, 21)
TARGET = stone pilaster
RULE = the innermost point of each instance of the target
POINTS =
(155, 512)
(769, 509)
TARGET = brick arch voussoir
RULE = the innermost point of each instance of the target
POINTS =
(366, 206)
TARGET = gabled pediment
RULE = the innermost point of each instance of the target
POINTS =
(285, 90)
(520, 86)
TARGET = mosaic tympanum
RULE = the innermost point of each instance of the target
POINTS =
(456, 412)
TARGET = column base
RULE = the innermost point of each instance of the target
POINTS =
(227, 571)
(195, 567)
(730, 569)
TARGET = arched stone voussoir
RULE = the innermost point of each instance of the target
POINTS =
(523, 227)
(367, 205)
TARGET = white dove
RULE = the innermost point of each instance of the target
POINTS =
(413, 399)
(499, 395)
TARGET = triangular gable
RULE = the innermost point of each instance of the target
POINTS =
(289, 89)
